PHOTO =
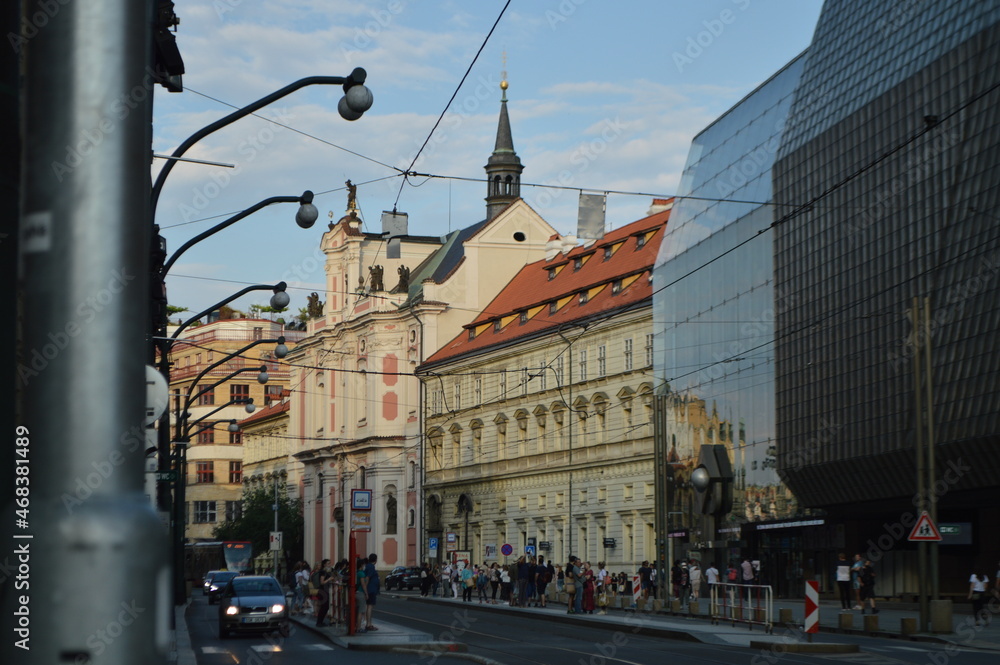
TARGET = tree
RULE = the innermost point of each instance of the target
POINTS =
(257, 521)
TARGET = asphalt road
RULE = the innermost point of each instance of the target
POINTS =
(527, 640)
(301, 647)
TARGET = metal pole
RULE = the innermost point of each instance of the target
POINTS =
(931, 471)
(83, 286)
(915, 318)
(276, 524)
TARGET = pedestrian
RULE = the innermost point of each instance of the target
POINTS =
(494, 581)
(361, 593)
(543, 578)
(436, 581)
(425, 579)
(589, 587)
(685, 582)
(325, 577)
(867, 578)
(561, 578)
(529, 592)
(842, 573)
(570, 587)
(521, 571)
(505, 584)
(602, 587)
(856, 580)
(644, 579)
(337, 610)
(675, 579)
(482, 584)
(978, 587)
(694, 575)
(578, 576)
(456, 580)
(373, 582)
(467, 579)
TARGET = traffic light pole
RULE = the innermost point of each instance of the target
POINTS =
(89, 536)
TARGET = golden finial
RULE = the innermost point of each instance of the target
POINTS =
(503, 75)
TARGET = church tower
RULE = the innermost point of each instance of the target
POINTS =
(503, 170)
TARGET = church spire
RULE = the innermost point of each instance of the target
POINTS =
(503, 169)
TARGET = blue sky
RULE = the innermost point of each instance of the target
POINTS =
(603, 96)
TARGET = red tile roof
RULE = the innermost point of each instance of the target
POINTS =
(558, 280)
(265, 413)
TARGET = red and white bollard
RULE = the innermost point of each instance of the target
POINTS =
(811, 623)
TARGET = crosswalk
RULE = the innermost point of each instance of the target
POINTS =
(270, 648)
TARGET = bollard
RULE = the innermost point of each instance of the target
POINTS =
(694, 607)
(908, 625)
(640, 604)
(657, 605)
(846, 620)
(785, 615)
(871, 623)
(675, 606)
(941, 619)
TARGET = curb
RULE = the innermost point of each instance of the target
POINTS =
(803, 647)
(438, 648)
(482, 660)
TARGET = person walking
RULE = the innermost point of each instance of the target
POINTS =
(856, 580)
(494, 581)
(587, 603)
(842, 573)
(522, 581)
(373, 584)
(867, 578)
(694, 575)
(644, 579)
(977, 594)
(569, 585)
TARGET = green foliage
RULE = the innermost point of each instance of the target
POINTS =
(174, 309)
(257, 521)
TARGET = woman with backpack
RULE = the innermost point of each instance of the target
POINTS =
(570, 586)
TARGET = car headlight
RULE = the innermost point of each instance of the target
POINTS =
(277, 608)
(232, 609)
(213, 588)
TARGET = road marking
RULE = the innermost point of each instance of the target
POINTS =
(214, 650)
(318, 647)
(266, 648)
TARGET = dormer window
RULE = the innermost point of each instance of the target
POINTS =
(552, 274)
(577, 263)
(616, 287)
(496, 326)
(553, 307)
(472, 334)
(607, 253)
(523, 318)
(640, 241)
(583, 297)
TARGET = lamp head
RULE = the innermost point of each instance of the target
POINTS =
(281, 350)
(280, 299)
(307, 213)
(233, 427)
(262, 378)
(250, 408)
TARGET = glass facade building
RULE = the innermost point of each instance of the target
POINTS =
(714, 313)
(898, 154)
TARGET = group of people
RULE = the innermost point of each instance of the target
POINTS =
(322, 591)
(855, 579)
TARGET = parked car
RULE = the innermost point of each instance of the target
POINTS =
(218, 583)
(403, 576)
(208, 581)
(252, 603)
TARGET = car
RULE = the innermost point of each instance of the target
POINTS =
(252, 603)
(218, 583)
(403, 576)
(208, 581)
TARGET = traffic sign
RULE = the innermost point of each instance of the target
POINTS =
(275, 541)
(636, 589)
(925, 530)
(432, 546)
(166, 476)
(361, 521)
(506, 549)
(529, 550)
(361, 499)
(812, 607)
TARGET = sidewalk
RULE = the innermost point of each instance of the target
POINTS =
(702, 629)
(389, 636)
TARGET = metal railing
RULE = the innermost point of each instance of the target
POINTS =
(752, 604)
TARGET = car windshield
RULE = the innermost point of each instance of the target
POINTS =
(252, 587)
(222, 578)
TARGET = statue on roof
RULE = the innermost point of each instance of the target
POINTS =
(404, 280)
(376, 278)
(315, 307)
(352, 195)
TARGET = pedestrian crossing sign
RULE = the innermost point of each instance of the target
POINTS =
(925, 530)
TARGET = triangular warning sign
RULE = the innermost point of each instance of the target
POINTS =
(925, 529)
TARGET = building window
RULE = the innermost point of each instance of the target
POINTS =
(602, 494)
(584, 297)
(472, 334)
(542, 501)
(582, 497)
(559, 371)
(608, 252)
(523, 318)
(602, 360)
(206, 398)
(478, 390)
(272, 394)
(413, 474)
(552, 274)
(522, 503)
(649, 491)
(627, 354)
(236, 472)
(640, 241)
(649, 350)
(559, 499)
(577, 263)
(583, 364)
(234, 510)
(458, 395)
(496, 326)
(236, 438)
(205, 472)
(239, 391)
(525, 377)
(628, 493)
(543, 376)
(503, 383)
(616, 287)
(207, 435)
(503, 506)
(204, 512)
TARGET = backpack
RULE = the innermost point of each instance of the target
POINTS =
(546, 576)
(731, 575)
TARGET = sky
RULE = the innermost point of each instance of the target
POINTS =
(603, 97)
